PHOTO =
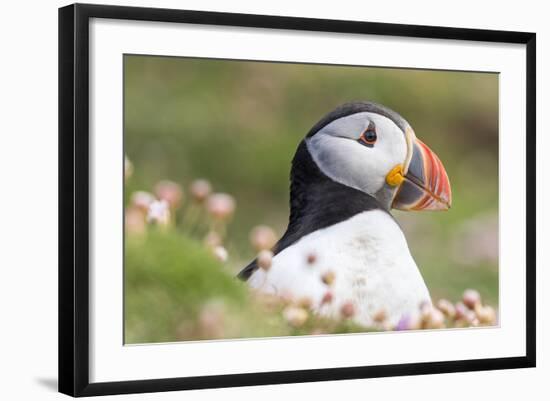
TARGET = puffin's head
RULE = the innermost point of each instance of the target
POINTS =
(371, 148)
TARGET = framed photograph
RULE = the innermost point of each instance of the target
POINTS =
(252, 199)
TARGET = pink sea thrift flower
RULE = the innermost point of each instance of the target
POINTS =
(159, 213)
(220, 206)
(200, 190)
(169, 191)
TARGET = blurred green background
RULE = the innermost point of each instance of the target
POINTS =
(238, 124)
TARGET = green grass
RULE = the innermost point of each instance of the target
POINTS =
(171, 279)
(174, 282)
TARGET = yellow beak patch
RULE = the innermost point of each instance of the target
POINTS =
(395, 177)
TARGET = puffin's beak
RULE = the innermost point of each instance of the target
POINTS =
(425, 185)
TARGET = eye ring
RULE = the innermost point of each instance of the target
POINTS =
(368, 137)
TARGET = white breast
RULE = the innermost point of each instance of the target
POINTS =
(371, 261)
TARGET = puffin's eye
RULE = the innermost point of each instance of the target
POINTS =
(368, 138)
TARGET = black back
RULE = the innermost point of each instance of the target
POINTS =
(316, 202)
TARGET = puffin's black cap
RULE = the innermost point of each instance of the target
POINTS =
(348, 109)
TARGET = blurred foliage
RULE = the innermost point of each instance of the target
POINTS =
(176, 290)
(238, 124)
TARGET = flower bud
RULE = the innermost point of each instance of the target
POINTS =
(460, 311)
(220, 206)
(295, 315)
(262, 237)
(311, 258)
(447, 308)
(347, 309)
(380, 316)
(486, 315)
(220, 253)
(159, 213)
(328, 277)
(407, 322)
(434, 319)
(142, 200)
(471, 298)
(327, 298)
(265, 259)
(200, 190)
(170, 192)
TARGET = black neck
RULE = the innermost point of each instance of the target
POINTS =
(316, 201)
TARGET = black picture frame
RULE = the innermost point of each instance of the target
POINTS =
(74, 194)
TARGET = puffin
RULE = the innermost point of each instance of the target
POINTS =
(342, 245)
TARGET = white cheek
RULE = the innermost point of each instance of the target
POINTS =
(354, 165)
(345, 161)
